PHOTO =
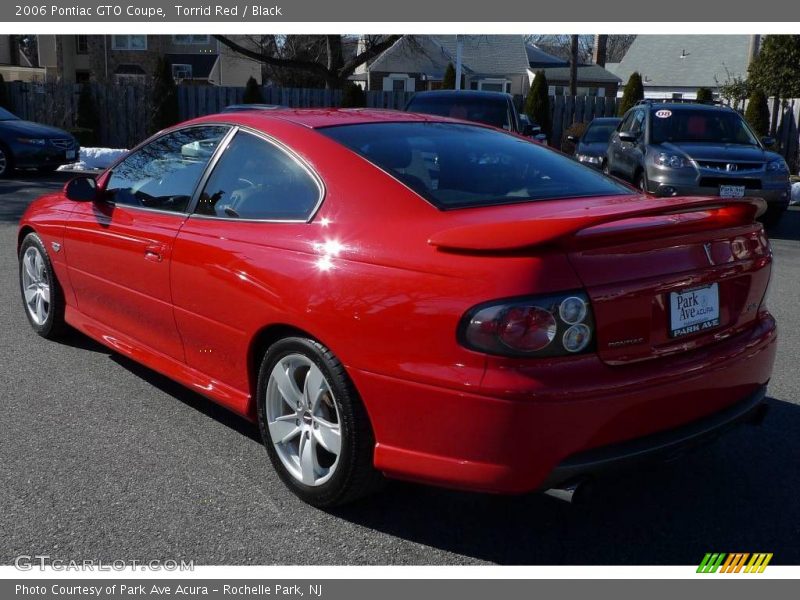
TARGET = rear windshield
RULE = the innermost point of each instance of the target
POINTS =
(488, 110)
(701, 126)
(458, 166)
(599, 132)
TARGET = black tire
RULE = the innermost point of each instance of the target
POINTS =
(772, 216)
(355, 475)
(640, 181)
(48, 169)
(6, 162)
(54, 325)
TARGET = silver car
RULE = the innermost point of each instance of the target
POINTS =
(679, 149)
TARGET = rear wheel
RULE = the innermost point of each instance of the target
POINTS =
(41, 294)
(6, 162)
(313, 424)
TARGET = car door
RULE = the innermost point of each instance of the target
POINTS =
(615, 152)
(118, 248)
(633, 151)
(228, 262)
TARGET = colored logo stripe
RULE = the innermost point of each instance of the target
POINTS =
(734, 562)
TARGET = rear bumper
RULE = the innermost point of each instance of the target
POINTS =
(520, 432)
(660, 446)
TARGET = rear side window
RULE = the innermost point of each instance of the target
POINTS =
(491, 111)
(255, 179)
(459, 166)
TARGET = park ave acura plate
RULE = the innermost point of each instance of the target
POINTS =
(694, 310)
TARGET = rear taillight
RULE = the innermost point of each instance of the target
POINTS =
(555, 325)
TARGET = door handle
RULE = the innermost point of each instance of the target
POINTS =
(155, 252)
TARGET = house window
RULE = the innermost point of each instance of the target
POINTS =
(129, 42)
(81, 44)
(82, 76)
(191, 40)
(494, 85)
(677, 96)
(587, 91)
(398, 83)
(180, 71)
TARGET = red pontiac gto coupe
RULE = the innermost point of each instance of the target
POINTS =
(408, 295)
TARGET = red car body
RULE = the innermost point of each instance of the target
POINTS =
(384, 279)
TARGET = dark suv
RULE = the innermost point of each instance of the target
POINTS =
(671, 149)
(491, 108)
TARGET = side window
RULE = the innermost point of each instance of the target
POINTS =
(627, 121)
(255, 179)
(637, 125)
(164, 173)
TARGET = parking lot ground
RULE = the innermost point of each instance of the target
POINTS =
(104, 459)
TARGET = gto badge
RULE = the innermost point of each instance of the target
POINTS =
(56, 246)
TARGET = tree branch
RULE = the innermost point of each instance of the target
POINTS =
(289, 63)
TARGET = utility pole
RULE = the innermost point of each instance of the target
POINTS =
(573, 66)
(459, 50)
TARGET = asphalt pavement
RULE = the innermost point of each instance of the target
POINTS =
(103, 459)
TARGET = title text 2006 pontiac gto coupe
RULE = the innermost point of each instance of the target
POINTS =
(407, 295)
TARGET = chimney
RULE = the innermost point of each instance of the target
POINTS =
(755, 46)
(599, 49)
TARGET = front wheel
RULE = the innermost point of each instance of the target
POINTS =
(41, 294)
(313, 424)
(6, 162)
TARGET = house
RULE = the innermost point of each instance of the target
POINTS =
(418, 63)
(15, 64)
(593, 80)
(194, 59)
(674, 66)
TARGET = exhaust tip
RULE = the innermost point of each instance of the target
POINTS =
(577, 492)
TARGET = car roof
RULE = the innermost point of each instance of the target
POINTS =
(314, 118)
(676, 106)
(605, 120)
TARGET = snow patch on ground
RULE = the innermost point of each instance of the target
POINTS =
(91, 159)
(796, 193)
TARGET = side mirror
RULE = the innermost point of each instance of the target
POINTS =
(768, 141)
(572, 138)
(627, 136)
(81, 189)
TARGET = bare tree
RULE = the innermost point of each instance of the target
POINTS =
(617, 46)
(561, 46)
(321, 57)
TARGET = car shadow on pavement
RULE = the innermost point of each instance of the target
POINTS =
(738, 494)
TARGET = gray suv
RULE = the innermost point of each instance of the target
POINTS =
(679, 149)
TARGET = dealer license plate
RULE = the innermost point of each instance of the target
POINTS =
(693, 311)
(731, 191)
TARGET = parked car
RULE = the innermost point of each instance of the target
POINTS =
(491, 108)
(497, 317)
(673, 149)
(591, 147)
(28, 145)
(241, 107)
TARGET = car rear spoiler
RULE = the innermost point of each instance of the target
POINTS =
(620, 219)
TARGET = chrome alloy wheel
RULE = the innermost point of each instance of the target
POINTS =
(35, 285)
(303, 420)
